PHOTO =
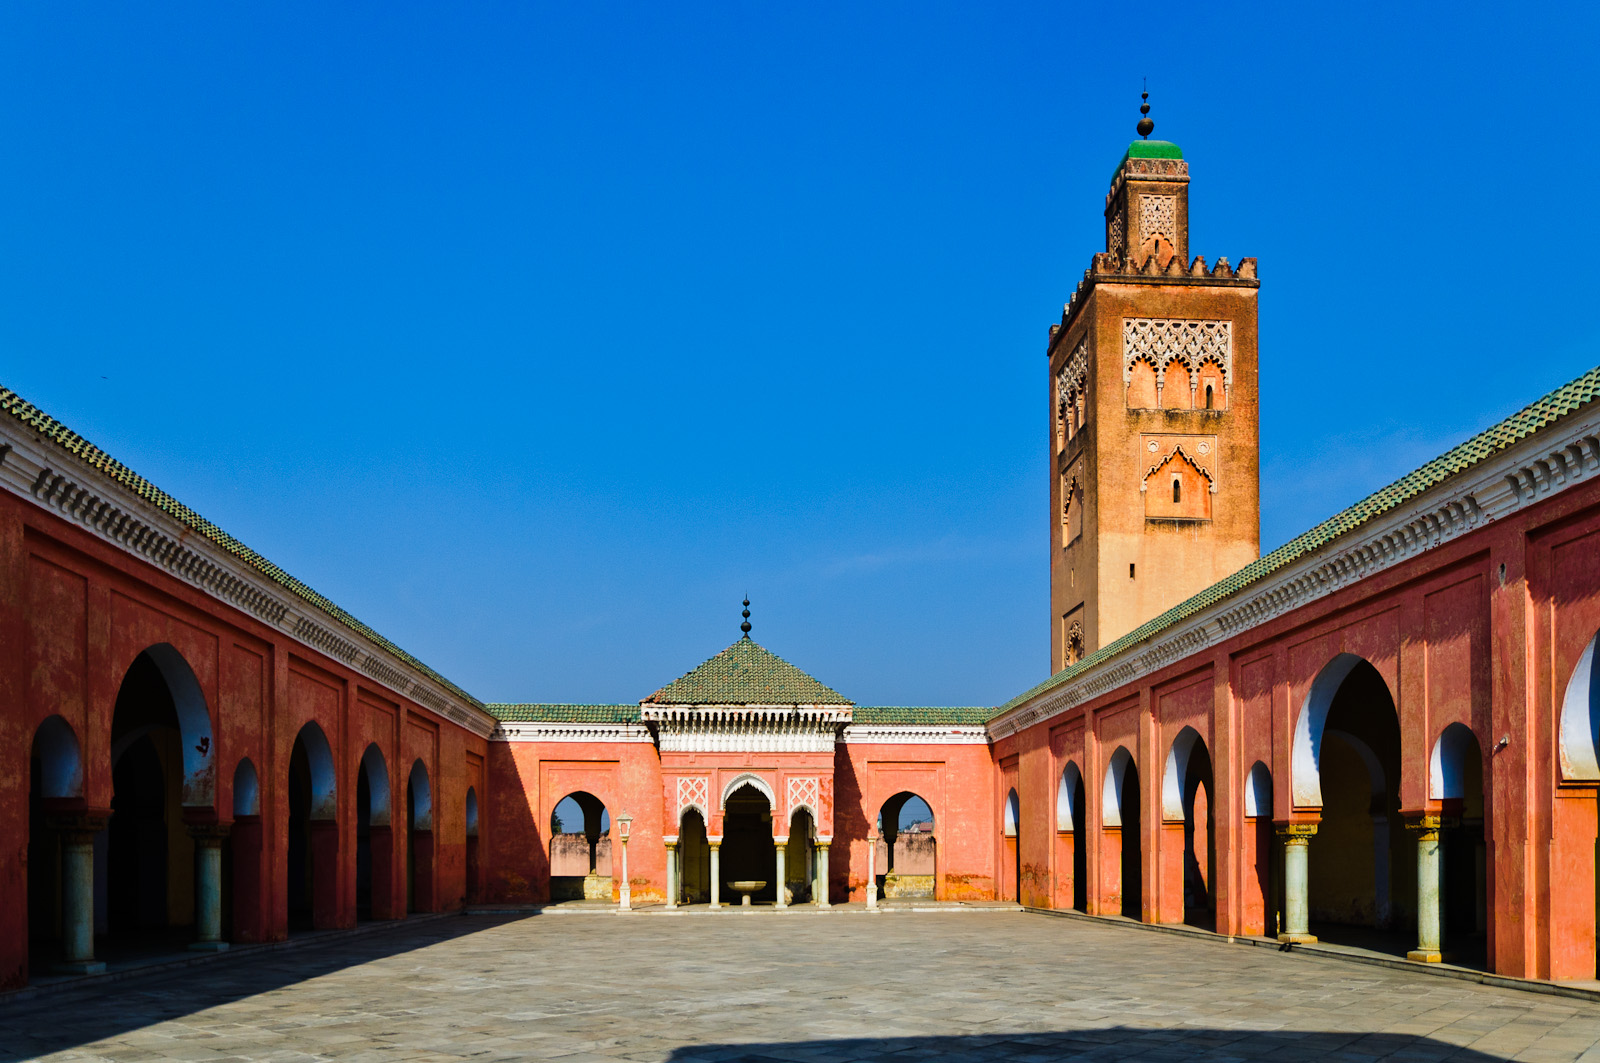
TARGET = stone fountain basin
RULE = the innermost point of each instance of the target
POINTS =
(748, 887)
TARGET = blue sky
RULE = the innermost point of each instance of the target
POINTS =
(538, 335)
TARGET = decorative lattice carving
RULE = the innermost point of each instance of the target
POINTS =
(807, 792)
(1119, 226)
(694, 791)
(1162, 340)
(1158, 216)
(1072, 385)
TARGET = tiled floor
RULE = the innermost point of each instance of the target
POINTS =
(803, 986)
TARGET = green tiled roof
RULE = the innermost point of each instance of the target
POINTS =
(1564, 400)
(42, 423)
(1148, 149)
(955, 715)
(528, 712)
(746, 674)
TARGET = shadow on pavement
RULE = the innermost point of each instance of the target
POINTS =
(1114, 1043)
(94, 1009)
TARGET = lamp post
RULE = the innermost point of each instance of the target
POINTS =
(624, 824)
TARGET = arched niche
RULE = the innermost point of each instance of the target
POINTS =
(420, 796)
(1067, 796)
(1111, 795)
(375, 770)
(246, 789)
(472, 812)
(319, 763)
(1174, 783)
(1580, 721)
(1258, 792)
(60, 759)
(1012, 814)
(1447, 767)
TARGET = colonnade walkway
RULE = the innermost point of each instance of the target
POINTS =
(989, 985)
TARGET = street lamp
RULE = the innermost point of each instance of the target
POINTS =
(624, 824)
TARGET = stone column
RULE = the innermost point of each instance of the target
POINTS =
(77, 892)
(673, 875)
(1296, 882)
(208, 886)
(716, 872)
(872, 869)
(624, 898)
(1426, 828)
(781, 850)
(820, 890)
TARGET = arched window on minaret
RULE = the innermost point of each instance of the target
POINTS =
(1210, 384)
(1142, 385)
(1175, 393)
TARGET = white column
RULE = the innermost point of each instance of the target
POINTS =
(781, 850)
(716, 872)
(872, 869)
(77, 894)
(624, 900)
(820, 890)
(673, 874)
(1296, 882)
(1427, 831)
(208, 887)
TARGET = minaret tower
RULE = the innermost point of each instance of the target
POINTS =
(1154, 445)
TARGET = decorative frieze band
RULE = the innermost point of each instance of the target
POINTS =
(1163, 340)
(544, 731)
(916, 734)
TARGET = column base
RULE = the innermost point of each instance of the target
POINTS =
(1298, 939)
(1425, 956)
(79, 967)
(208, 946)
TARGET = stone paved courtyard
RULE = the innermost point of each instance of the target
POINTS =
(823, 988)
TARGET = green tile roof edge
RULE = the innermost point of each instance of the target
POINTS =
(1148, 149)
(562, 712)
(1566, 399)
(971, 715)
(37, 420)
(683, 690)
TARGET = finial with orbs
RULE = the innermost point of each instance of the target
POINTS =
(745, 627)
(1145, 126)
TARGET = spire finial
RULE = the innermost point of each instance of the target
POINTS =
(745, 627)
(1145, 126)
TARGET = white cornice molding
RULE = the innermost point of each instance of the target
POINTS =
(747, 728)
(546, 731)
(1544, 464)
(45, 474)
(915, 734)
(745, 715)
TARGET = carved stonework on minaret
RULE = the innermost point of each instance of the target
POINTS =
(1071, 402)
(1199, 354)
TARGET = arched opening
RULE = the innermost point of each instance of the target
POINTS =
(694, 856)
(907, 849)
(474, 890)
(1210, 397)
(580, 849)
(1260, 901)
(749, 854)
(1190, 853)
(247, 920)
(1141, 385)
(419, 841)
(1456, 781)
(1575, 836)
(313, 842)
(1011, 884)
(800, 859)
(374, 838)
(160, 734)
(1072, 851)
(1121, 886)
(1210, 378)
(1362, 876)
(55, 784)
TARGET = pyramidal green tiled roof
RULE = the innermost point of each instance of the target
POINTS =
(531, 712)
(746, 673)
(955, 715)
(1566, 399)
(42, 423)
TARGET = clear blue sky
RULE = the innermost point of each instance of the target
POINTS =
(537, 335)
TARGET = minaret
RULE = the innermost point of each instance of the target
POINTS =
(1154, 444)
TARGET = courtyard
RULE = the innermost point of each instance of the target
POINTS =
(962, 985)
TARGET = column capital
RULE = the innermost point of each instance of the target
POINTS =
(780, 839)
(715, 843)
(206, 834)
(1296, 833)
(1423, 826)
(823, 843)
(89, 821)
(670, 840)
